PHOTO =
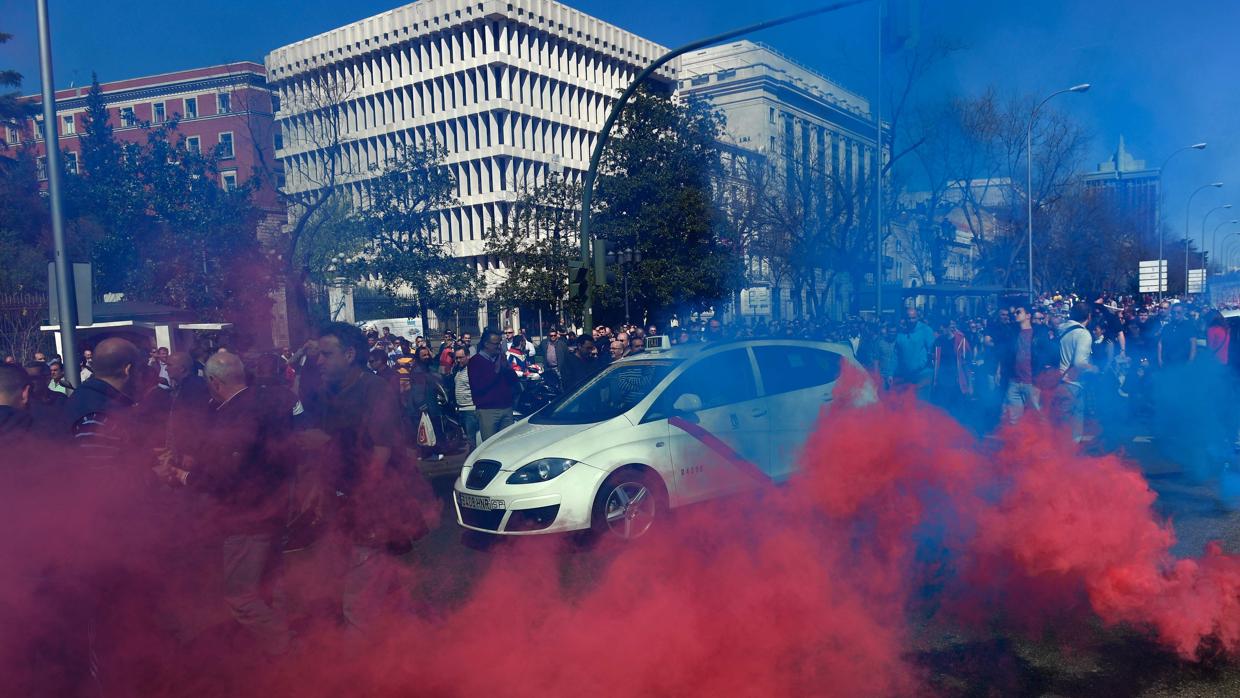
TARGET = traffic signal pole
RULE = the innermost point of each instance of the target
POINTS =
(587, 188)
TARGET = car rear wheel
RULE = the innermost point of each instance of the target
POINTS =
(627, 505)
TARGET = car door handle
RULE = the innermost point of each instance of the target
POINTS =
(736, 422)
(828, 398)
(759, 413)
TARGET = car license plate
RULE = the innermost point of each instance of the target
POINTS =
(473, 501)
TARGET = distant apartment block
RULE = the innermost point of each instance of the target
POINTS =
(817, 137)
(1131, 187)
(225, 108)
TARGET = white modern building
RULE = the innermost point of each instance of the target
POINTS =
(815, 135)
(512, 89)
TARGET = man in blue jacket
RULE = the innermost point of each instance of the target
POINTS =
(914, 349)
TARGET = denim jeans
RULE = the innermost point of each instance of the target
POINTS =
(1070, 408)
(1018, 396)
(469, 424)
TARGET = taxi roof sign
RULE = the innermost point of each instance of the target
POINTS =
(658, 343)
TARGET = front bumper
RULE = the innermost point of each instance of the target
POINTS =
(558, 505)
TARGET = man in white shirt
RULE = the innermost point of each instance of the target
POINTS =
(1075, 347)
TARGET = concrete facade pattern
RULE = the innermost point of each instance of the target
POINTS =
(513, 90)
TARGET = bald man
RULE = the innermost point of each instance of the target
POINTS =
(97, 411)
(175, 414)
(244, 466)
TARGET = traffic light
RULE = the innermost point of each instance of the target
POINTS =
(601, 248)
(578, 280)
(604, 262)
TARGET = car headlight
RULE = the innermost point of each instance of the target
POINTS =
(540, 470)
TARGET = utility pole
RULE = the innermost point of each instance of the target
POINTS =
(66, 300)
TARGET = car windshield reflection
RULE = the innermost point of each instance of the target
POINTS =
(613, 392)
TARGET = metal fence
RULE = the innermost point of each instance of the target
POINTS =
(21, 314)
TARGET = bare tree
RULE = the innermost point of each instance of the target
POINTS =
(976, 159)
(21, 315)
(315, 163)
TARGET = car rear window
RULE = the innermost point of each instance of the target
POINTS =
(788, 368)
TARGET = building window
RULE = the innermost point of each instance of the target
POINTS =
(191, 107)
(226, 145)
(280, 181)
(275, 103)
(127, 117)
(12, 136)
(229, 181)
(770, 115)
(71, 163)
(279, 138)
(38, 129)
(225, 102)
(70, 126)
(193, 144)
(40, 168)
(158, 113)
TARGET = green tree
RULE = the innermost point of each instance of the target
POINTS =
(12, 110)
(655, 197)
(406, 250)
(23, 222)
(157, 225)
(536, 242)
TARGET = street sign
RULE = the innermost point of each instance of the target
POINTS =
(757, 301)
(1196, 280)
(83, 289)
(1152, 276)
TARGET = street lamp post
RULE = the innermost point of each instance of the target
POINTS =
(66, 302)
(1225, 250)
(1029, 170)
(624, 259)
(1158, 224)
(1187, 210)
(1214, 235)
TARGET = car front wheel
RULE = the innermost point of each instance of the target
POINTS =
(627, 505)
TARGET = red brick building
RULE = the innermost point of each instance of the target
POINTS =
(228, 107)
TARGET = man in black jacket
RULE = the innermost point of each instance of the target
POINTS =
(356, 433)
(14, 396)
(244, 466)
(580, 364)
(175, 415)
(554, 351)
(97, 410)
(47, 407)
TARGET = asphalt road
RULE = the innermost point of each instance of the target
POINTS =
(1062, 660)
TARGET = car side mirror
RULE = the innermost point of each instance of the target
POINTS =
(687, 402)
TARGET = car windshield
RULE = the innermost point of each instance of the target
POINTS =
(613, 392)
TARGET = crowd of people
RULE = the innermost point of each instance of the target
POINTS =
(293, 447)
(272, 454)
(1130, 365)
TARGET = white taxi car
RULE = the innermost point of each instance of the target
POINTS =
(652, 431)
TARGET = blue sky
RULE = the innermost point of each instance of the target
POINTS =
(1164, 72)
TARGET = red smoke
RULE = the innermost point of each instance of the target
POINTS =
(803, 589)
(1090, 520)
